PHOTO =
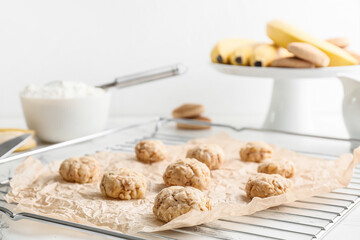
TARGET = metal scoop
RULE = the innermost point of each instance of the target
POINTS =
(145, 76)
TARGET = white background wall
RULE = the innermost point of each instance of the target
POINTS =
(95, 41)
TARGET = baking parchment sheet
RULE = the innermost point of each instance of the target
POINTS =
(41, 190)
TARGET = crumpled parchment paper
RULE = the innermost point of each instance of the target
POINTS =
(41, 190)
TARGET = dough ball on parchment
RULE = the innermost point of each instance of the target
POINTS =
(80, 169)
(174, 201)
(266, 185)
(187, 172)
(150, 151)
(124, 184)
(284, 168)
(210, 154)
(255, 152)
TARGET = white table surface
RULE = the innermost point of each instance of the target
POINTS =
(349, 228)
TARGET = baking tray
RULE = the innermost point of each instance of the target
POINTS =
(312, 218)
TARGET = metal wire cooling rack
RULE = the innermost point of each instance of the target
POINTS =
(312, 218)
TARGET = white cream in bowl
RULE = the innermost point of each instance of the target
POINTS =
(63, 110)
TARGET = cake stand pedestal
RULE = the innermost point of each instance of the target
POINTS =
(291, 103)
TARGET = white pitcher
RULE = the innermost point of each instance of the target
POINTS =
(351, 104)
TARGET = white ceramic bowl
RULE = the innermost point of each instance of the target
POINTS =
(62, 119)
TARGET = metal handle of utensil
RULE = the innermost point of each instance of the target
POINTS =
(8, 147)
(146, 76)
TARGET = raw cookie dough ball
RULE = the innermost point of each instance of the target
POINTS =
(150, 151)
(124, 184)
(210, 154)
(174, 201)
(187, 172)
(283, 168)
(266, 185)
(255, 152)
(80, 170)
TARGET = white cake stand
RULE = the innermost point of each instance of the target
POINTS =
(290, 107)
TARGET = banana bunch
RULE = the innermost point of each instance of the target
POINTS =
(246, 52)
(290, 47)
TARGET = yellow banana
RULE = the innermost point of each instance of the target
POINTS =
(354, 54)
(242, 55)
(222, 50)
(283, 52)
(263, 55)
(283, 33)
